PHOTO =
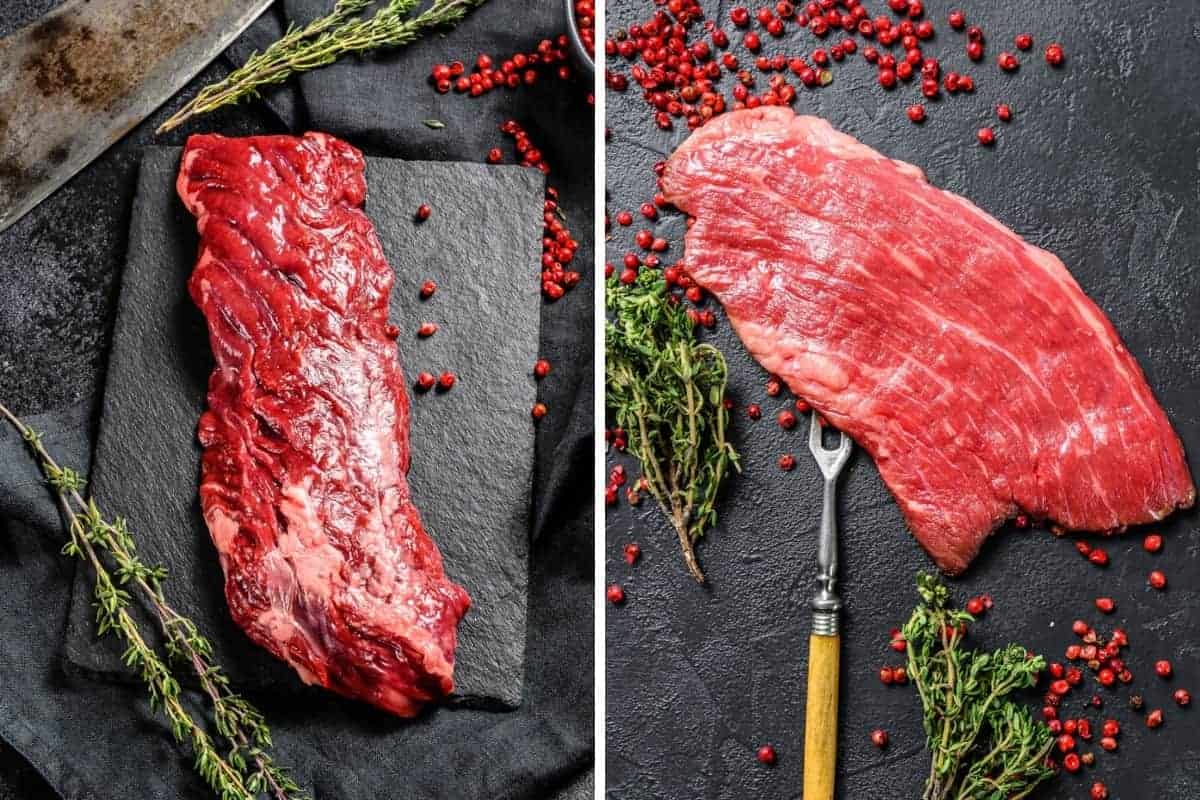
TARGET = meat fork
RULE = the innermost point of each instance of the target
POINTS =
(824, 644)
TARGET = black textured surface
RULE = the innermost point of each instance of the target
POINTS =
(1099, 166)
(484, 225)
(59, 270)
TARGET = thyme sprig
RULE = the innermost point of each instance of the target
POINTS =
(340, 32)
(667, 390)
(246, 770)
(984, 746)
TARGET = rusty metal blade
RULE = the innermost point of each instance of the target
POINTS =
(77, 80)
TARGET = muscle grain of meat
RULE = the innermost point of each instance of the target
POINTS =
(966, 361)
(305, 438)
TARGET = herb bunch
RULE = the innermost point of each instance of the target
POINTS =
(984, 745)
(320, 43)
(666, 389)
(235, 763)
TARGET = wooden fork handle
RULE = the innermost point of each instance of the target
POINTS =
(821, 717)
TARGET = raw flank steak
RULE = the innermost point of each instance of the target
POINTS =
(966, 361)
(305, 437)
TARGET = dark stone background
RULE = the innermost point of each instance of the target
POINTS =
(1100, 165)
(58, 274)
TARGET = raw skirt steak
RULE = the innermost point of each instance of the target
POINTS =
(305, 437)
(966, 361)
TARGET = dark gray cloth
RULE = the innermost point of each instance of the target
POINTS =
(58, 267)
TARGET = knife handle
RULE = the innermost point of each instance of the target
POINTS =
(821, 717)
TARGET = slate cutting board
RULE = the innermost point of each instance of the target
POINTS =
(472, 447)
(1099, 166)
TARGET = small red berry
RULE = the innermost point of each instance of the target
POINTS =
(900, 675)
(1106, 605)
(766, 755)
(495, 155)
(1110, 728)
(1158, 580)
(1080, 628)
(1098, 791)
(423, 212)
(774, 387)
(541, 368)
(425, 381)
(754, 411)
(879, 738)
(1054, 54)
(916, 113)
(975, 50)
(957, 20)
(739, 16)
(986, 136)
(538, 411)
(427, 289)
(787, 462)
(632, 553)
(975, 606)
(1023, 41)
(1152, 543)
(752, 42)
(1071, 763)
(427, 329)
(1066, 742)
(1163, 668)
(887, 78)
(1182, 698)
(1007, 61)
(1108, 743)
(446, 381)
(1155, 718)
(1098, 557)
(787, 420)
(886, 676)
(624, 218)
(615, 594)
(1004, 112)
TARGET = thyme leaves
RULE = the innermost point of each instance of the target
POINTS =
(666, 390)
(235, 763)
(321, 42)
(983, 745)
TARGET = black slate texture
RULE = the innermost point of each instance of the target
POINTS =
(472, 447)
(60, 269)
(1100, 166)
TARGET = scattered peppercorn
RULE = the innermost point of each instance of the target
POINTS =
(1099, 557)
(787, 420)
(1004, 112)
(1106, 605)
(1152, 543)
(1007, 61)
(1155, 718)
(1157, 580)
(886, 676)
(1098, 791)
(427, 329)
(541, 368)
(1054, 54)
(1071, 763)
(754, 411)
(916, 113)
(632, 553)
(423, 212)
(787, 462)
(1136, 702)
(879, 738)
(1163, 668)
(1023, 41)
(427, 289)
(766, 755)
(986, 136)
(446, 381)
(495, 156)
(538, 411)
(615, 594)
(425, 381)
(1182, 698)
(957, 20)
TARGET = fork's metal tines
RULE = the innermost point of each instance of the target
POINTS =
(830, 461)
(826, 602)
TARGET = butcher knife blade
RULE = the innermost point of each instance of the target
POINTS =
(81, 77)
